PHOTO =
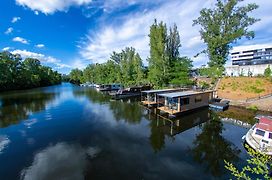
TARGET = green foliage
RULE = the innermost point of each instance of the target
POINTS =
(18, 74)
(223, 25)
(180, 72)
(204, 85)
(159, 61)
(125, 67)
(76, 76)
(252, 108)
(165, 65)
(268, 72)
(213, 72)
(258, 166)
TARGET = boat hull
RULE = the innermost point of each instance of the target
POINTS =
(254, 143)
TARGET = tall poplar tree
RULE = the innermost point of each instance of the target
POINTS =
(222, 26)
(158, 61)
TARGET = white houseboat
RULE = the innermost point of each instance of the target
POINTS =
(259, 137)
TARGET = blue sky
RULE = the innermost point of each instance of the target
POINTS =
(67, 34)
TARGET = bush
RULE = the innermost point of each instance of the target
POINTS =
(253, 108)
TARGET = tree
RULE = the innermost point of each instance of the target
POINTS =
(18, 74)
(180, 72)
(258, 166)
(222, 26)
(267, 71)
(173, 44)
(159, 61)
(76, 76)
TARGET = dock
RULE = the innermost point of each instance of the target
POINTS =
(151, 98)
(178, 102)
(219, 106)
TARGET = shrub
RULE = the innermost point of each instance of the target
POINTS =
(252, 108)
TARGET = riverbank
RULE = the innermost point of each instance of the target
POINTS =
(264, 104)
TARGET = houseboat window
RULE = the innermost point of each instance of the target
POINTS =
(184, 101)
(198, 98)
(260, 132)
(270, 136)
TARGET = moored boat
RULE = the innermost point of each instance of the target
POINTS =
(259, 137)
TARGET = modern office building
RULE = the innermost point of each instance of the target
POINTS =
(250, 60)
(251, 55)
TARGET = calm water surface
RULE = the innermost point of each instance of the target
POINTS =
(69, 132)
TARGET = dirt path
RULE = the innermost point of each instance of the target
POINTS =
(263, 104)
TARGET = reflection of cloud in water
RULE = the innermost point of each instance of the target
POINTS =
(28, 123)
(4, 141)
(48, 116)
(61, 161)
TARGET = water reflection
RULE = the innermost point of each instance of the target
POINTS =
(162, 127)
(61, 161)
(127, 110)
(4, 142)
(93, 95)
(211, 148)
(16, 107)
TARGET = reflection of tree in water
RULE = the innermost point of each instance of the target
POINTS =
(240, 114)
(212, 149)
(17, 107)
(164, 127)
(92, 95)
(157, 136)
(129, 111)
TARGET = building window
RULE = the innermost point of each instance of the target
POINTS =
(184, 101)
(198, 98)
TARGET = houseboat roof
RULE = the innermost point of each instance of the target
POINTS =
(158, 90)
(265, 124)
(183, 93)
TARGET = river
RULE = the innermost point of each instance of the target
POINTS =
(71, 132)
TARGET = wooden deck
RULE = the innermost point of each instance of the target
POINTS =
(149, 102)
(168, 110)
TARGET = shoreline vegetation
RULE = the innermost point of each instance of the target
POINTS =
(16, 74)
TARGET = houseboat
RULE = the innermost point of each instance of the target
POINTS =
(108, 87)
(151, 99)
(129, 92)
(259, 137)
(179, 102)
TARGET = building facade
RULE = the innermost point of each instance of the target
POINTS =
(250, 60)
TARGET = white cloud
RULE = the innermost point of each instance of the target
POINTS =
(50, 7)
(40, 45)
(36, 12)
(21, 40)
(61, 66)
(15, 19)
(9, 30)
(6, 48)
(133, 30)
(28, 54)
(55, 63)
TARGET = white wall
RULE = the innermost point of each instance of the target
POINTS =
(237, 70)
